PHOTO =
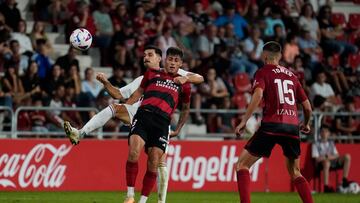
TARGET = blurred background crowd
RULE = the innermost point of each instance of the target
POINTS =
(222, 40)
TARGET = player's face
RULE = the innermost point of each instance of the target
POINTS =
(172, 64)
(151, 59)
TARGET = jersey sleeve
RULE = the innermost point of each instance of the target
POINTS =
(259, 81)
(300, 93)
(182, 72)
(145, 80)
(130, 88)
(186, 93)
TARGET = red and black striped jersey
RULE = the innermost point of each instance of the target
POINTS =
(162, 94)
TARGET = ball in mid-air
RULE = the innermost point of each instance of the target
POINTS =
(81, 39)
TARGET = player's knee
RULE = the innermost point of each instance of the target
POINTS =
(347, 157)
(133, 155)
(152, 164)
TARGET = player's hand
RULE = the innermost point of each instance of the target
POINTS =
(174, 133)
(305, 128)
(240, 128)
(101, 77)
(181, 80)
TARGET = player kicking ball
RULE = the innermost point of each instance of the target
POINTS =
(126, 112)
(280, 90)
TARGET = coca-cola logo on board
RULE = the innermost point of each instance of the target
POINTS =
(33, 169)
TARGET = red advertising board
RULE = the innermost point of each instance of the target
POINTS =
(98, 165)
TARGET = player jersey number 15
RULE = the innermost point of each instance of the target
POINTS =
(285, 91)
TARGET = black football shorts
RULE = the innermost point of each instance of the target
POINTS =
(262, 143)
(152, 128)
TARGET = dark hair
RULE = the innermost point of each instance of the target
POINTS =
(318, 101)
(40, 42)
(272, 46)
(323, 127)
(13, 41)
(290, 37)
(349, 100)
(157, 49)
(174, 51)
(303, 8)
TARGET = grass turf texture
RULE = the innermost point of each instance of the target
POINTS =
(173, 197)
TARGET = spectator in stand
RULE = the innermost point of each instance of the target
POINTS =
(72, 78)
(279, 35)
(199, 17)
(336, 74)
(122, 43)
(291, 49)
(38, 118)
(67, 60)
(180, 15)
(240, 24)
(166, 40)
(117, 79)
(307, 21)
(81, 18)
(89, 85)
(31, 80)
(11, 13)
(324, 89)
(69, 101)
(330, 35)
(42, 58)
(38, 32)
(21, 60)
(327, 157)
(5, 98)
(212, 92)
(53, 80)
(272, 20)
(12, 83)
(355, 84)
(105, 31)
(119, 17)
(224, 121)
(298, 69)
(253, 47)
(206, 43)
(309, 46)
(183, 39)
(346, 125)
(58, 13)
(23, 39)
(56, 116)
(253, 17)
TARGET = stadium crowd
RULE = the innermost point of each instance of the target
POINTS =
(222, 40)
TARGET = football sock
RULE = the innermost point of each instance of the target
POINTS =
(97, 121)
(148, 183)
(243, 181)
(131, 173)
(303, 189)
(345, 182)
(143, 199)
(162, 183)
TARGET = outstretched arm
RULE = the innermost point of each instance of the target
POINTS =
(186, 76)
(135, 96)
(254, 103)
(113, 91)
(184, 114)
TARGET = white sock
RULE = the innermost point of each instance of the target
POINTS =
(130, 192)
(162, 183)
(97, 121)
(143, 199)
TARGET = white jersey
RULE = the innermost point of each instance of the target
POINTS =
(130, 88)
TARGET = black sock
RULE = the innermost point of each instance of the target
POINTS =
(345, 182)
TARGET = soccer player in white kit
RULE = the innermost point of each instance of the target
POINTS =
(126, 112)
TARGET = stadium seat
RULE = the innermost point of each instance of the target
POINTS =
(240, 101)
(354, 21)
(59, 50)
(354, 60)
(242, 82)
(338, 19)
(354, 38)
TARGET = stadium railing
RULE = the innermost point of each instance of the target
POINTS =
(187, 132)
(6, 111)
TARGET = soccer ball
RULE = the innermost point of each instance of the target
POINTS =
(354, 188)
(81, 39)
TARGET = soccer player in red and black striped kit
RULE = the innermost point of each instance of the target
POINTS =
(281, 90)
(150, 126)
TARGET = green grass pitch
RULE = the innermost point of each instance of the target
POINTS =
(173, 197)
